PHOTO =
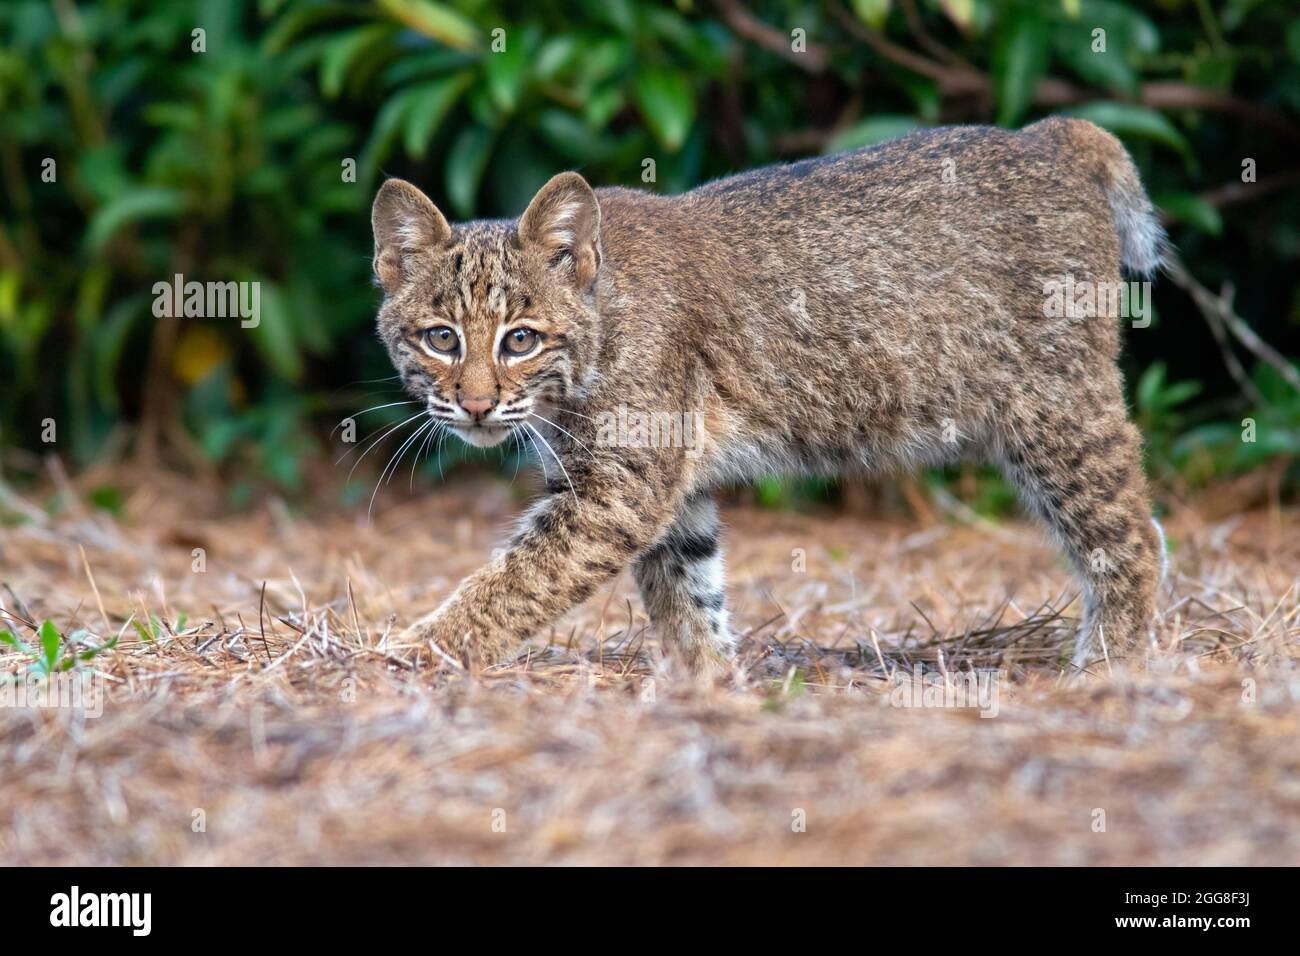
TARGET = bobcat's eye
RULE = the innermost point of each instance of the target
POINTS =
(520, 341)
(442, 340)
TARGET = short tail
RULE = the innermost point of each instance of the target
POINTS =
(1142, 240)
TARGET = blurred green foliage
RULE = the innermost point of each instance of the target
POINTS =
(215, 139)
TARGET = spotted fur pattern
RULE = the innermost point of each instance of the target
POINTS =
(876, 310)
(682, 583)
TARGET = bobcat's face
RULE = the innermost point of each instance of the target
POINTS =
(488, 323)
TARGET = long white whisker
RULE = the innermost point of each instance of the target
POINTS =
(375, 408)
(365, 410)
(570, 411)
(374, 442)
(415, 462)
(519, 452)
(547, 445)
(397, 457)
(389, 470)
(370, 381)
(569, 433)
(401, 452)
(540, 460)
(369, 441)
(437, 451)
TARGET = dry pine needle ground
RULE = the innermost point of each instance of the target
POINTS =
(281, 723)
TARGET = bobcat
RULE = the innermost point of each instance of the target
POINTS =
(871, 310)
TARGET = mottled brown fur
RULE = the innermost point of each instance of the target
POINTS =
(874, 310)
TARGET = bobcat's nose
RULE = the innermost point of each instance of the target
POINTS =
(478, 407)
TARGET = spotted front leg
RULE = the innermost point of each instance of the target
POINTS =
(570, 543)
(682, 585)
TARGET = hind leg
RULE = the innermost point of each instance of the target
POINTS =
(1078, 465)
(682, 586)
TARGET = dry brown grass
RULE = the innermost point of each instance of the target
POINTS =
(286, 712)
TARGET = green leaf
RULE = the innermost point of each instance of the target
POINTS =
(1178, 393)
(505, 72)
(924, 94)
(1127, 119)
(12, 640)
(50, 640)
(603, 105)
(571, 137)
(960, 12)
(1129, 38)
(435, 20)
(603, 60)
(296, 22)
(92, 653)
(1129, 31)
(273, 334)
(147, 629)
(343, 52)
(667, 104)
(466, 160)
(102, 171)
(430, 103)
(142, 202)
(1150, 385)
(555, 55)
(877, 129)
(434, 62)
(1155, 395)
(772, 492)
(1214, 71)
(110, 337)
(872, 12)
(389, 122)
(1019, 62)
(1191, 209)
(107, 498)
(708, 49)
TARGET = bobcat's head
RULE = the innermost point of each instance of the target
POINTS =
(490, 320)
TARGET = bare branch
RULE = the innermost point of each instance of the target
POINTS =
(746, 25)
(959, 79)
(1236, 192)
(1218, 309)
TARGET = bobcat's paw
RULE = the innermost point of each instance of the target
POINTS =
(454, 639)
(708, 666)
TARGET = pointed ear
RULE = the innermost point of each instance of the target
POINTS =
(404, 222)
(564, 221)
